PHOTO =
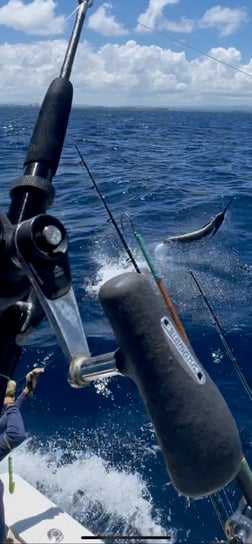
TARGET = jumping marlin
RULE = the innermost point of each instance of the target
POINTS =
(208, 229)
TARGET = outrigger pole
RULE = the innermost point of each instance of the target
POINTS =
(196, 432)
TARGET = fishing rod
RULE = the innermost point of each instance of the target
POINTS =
(225, 344)
(244, 476)
(111, 217)
(157, 277)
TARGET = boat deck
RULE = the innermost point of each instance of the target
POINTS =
(33, 517)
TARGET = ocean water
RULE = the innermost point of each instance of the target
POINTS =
(94, 451)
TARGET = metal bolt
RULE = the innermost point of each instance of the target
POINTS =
(52, 235)
(55, 535)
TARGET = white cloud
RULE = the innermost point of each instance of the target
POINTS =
(36, 18)
(226, 20)
(128, 74)
(104, 23)
(184, 26)
(153, 14)
(26, 70)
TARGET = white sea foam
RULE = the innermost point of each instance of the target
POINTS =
(108, 268)
(91, 490)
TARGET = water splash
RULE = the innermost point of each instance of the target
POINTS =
(217, 356)
(101, 386)
(219, 273)
(101, 497)
(109, 267)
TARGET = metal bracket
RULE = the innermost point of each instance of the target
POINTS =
(41, 248)
(41, 245)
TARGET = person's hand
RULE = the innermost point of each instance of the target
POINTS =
(10, 393)
(32, 380)
(8, 401)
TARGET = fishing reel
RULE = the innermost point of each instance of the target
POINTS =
(238, 527)
(36, 250)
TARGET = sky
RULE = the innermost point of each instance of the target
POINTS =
(153, 53)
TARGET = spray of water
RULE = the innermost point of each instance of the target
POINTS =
(101, 497)
(217, 269)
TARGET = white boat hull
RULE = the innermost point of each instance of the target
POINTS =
(32, 517)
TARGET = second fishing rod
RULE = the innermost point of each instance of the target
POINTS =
(111, 217)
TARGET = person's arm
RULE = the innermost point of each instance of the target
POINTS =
(31, 383)
(14, 433)
(20, 399)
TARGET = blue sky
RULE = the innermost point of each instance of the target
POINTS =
(134, 52)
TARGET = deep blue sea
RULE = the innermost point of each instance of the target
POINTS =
(93, 451)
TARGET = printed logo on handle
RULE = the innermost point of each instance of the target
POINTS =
(189, 361)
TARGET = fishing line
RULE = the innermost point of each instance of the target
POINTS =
(40, 365)
(185, 44)
(221, 333)
(222, 511)
(111, 218)
(219, 511)
(28, 57)
(71, 14)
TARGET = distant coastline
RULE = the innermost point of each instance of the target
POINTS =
(202, 109)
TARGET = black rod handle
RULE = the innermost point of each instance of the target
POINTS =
(194, 427)
(49, 133)
(32, 193)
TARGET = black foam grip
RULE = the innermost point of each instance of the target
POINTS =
(194, 427)
(50, 129)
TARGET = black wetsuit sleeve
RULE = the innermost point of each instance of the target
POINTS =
(13, 433)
